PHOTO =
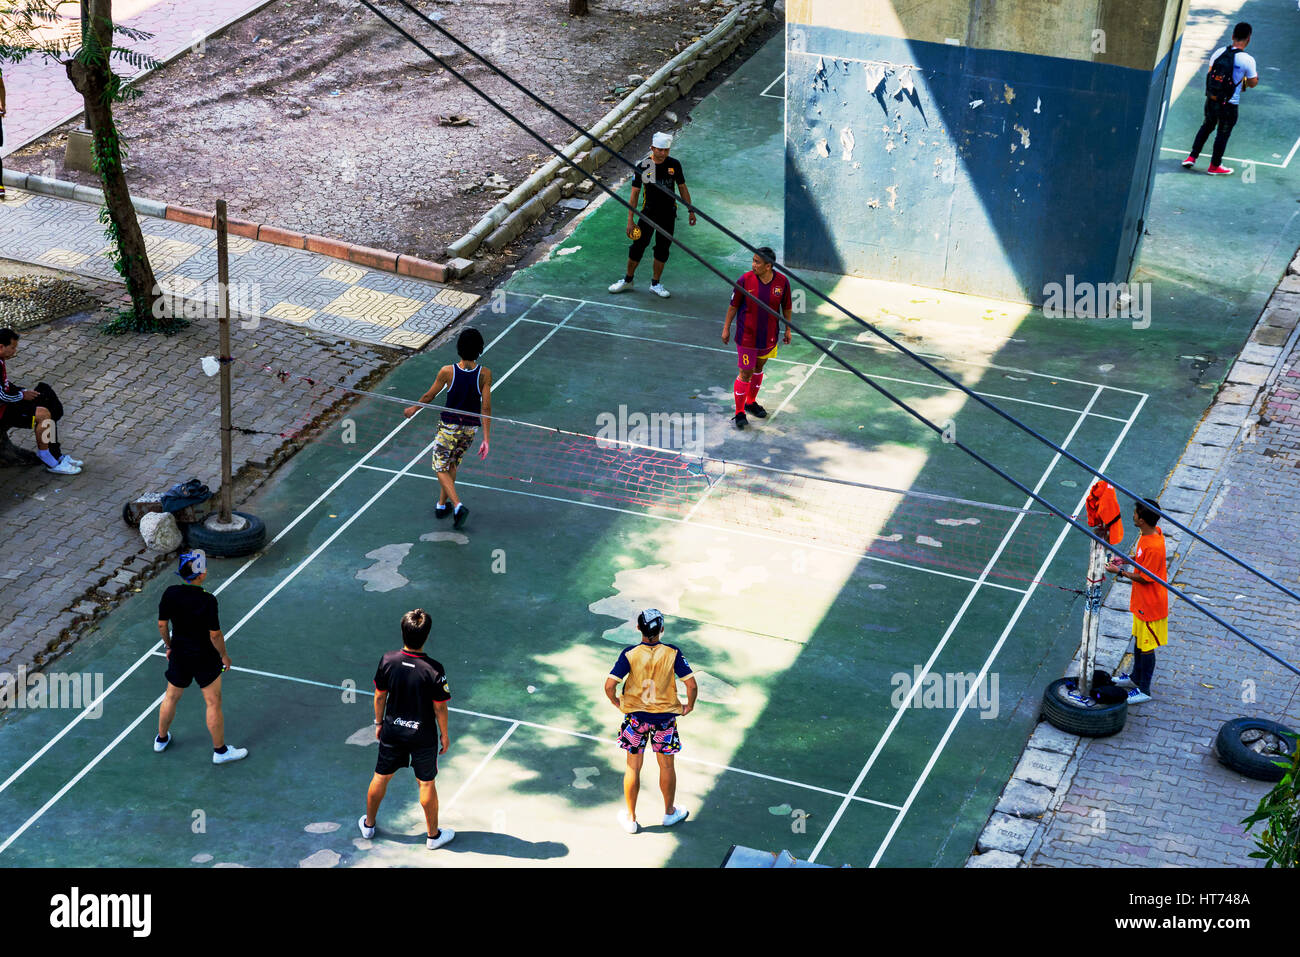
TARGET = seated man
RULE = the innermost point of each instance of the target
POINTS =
(37, 409)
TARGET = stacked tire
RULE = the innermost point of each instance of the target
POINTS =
(1098, 716)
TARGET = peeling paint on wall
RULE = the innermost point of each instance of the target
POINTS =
(975, 103)
(846, 143)
(1008, 94)
(822, 149)
(893, 195)
(1024, 135)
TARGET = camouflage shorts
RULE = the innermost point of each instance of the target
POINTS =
(451, 444)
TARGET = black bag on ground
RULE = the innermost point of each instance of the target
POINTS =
(184, 494)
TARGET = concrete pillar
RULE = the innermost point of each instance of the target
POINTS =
(983, 146)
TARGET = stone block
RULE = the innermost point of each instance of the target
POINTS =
(1048, 737)
(1041, 767)
(994, 859)
(1005, 833)
(1023, 799)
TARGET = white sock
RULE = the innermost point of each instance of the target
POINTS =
(47, 457)
(459, 506)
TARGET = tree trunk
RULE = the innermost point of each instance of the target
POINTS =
(578, 8)
(95, 81)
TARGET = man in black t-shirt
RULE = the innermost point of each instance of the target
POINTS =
(196, 651)
(411, 698)
(657, 178)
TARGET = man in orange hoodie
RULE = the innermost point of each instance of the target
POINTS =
(1149, 600)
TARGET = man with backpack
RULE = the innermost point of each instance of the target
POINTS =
(1232, 69)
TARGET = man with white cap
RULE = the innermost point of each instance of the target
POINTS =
(196, 651)
(656, 177)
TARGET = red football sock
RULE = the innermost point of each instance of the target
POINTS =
(740, 391)
(755, 381)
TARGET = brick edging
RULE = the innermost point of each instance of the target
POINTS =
(1039, 785)
(399, 263)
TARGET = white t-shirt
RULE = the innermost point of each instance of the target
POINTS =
(1243, 67)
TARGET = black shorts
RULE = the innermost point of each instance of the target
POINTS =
(20, 414)
(183, 668)
(395, 755)
(667, 220)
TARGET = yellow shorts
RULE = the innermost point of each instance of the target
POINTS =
(1150, 635)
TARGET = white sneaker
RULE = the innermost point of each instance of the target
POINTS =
(659, 290)
(627, 824)
(445, 834)
(679, 814)
(65, 467)
(367, 830)
(160, 746)
(1137, 697)
(232, 754)
(77, 462)
(1124, 681)
(621, 286)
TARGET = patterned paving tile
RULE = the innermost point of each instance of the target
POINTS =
(293, 286)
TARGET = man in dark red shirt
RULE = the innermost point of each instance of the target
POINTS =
(756, 330)
(411, 696)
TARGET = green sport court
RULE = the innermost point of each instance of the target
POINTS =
(801, 625)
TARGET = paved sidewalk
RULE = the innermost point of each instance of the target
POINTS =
(293, 286)
(38, 94)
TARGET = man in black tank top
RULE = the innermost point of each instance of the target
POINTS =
(469, 396)
(411, 696)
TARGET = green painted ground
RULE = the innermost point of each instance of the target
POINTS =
(796, 743)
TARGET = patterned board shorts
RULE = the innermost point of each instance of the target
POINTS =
(632, 736)
(451, 444)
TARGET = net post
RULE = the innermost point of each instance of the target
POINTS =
(1091, 616)
(223, 318)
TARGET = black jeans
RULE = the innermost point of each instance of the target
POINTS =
(1144, 669)
(1222, 115)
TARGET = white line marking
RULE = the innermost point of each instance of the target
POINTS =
(1238, 159)
(519, 722)
(943, 641)
(484, 763)
(716, 528)
(1024, 601)
(865, 344)
(1291, 155)
(832, 342)
(256, 608)
(779, 79)
(216, 591)
(802, 382)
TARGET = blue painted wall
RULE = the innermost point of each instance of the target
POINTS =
(1047, 175)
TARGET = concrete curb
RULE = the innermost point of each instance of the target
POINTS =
(1016, 828)
(399, 263)
(544, 188)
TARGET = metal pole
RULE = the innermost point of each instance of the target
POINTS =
(223, 317)
(1091, 617)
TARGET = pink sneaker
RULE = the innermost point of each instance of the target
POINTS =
(1220, 171)
(1189, 162)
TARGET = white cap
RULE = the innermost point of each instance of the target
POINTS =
(661, 141)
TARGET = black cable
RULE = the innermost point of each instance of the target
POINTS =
(854, 370)
(915, 357)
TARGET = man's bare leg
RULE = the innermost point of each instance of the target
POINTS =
(632, 782)
(667, 781)
(216, 720)
(167, 713)
(375, 795)
(429, 801)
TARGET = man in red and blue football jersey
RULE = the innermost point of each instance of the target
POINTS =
(756, 329)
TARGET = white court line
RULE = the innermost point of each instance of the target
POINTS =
(943, 641)
(779, 79)
(256, 608)
(952, 725)
(519, 722)
(1237, 159)
(484, 763)
(802, 543)
(833, 342)
(865, 344)
(216, 591)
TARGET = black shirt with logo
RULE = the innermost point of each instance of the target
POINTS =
(414, 681)
(667, 174)
(193, 614)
